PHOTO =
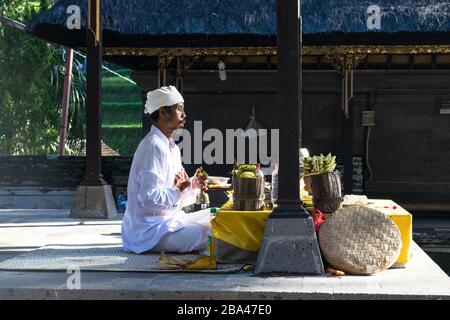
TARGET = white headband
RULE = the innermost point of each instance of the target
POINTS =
(162, 97)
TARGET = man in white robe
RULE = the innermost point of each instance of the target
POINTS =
(158, 186)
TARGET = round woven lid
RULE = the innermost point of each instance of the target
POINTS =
(360, 240)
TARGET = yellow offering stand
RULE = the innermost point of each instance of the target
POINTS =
(245, 229)
(403, 220)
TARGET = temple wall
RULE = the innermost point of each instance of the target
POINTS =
(409, 147)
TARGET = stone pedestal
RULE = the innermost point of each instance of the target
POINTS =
(93, 202)
(289, 246)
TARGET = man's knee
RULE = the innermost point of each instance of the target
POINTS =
(191, 237)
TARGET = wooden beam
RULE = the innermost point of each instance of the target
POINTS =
(12, 23)
(94, 175)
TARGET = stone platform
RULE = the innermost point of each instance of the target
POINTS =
(23, 230)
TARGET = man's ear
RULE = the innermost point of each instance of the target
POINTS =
(166, 113)
(163, 114)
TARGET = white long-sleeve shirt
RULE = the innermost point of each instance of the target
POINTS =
(154, 204)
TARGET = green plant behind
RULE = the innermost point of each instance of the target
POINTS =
(29, 117)
(31, 88)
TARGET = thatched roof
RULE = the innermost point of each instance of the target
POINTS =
(163, 23)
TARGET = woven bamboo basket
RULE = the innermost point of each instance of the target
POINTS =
(360, 240)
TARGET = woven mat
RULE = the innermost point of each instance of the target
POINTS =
(99, 258)
(360, 240)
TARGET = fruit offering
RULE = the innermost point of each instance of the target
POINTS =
(319, 164)
(246, 171)
(202, 173)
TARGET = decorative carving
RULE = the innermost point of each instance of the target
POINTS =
(191, 52)
(347, 61)
(259, 51)
(165, 61)
(376, 50)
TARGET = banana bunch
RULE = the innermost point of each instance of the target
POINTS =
(319, 164)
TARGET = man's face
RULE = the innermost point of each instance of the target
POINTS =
(177, 116)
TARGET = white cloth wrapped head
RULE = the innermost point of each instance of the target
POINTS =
(162, 97)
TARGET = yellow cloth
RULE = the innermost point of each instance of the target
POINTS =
(202, 263)
(403, 220)
(208, 263)
(245, 229)
(307, 201)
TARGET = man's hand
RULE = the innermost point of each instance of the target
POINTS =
(199, 182)
(181, 180)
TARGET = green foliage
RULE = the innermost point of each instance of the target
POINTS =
(31, 88)
(122, 139)
(121, 112)
(29, 117)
